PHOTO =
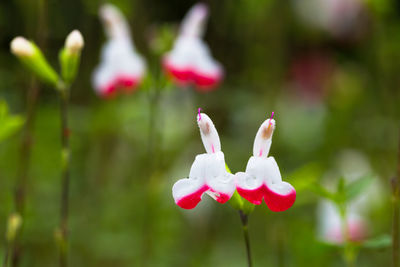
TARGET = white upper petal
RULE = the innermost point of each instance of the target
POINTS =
(263, 140)
(212, 168)
(194, 22)
(209, 134)
(115, 24)
(265, 169)
(207, 166)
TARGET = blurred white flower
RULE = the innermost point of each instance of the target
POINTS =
(121, 67)
(208, 173)
(338, 17)
(352, 165)
(190, 61)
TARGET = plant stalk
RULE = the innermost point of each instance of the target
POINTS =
(396, 213)
(27, 138)
(6, 255)
(65, 172)
(244, 219)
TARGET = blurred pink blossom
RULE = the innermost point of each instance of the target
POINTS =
(121, 67)
(190, 61)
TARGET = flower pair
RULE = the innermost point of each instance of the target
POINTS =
(122, 68)
(208, 174)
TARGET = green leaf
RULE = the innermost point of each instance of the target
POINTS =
(9, 124)
(323, 192)
(38, 64)
(382, 241)
(355, 188)
(304, 177)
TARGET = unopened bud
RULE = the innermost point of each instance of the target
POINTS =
(22, 47)
(74, 42)
(14, 223)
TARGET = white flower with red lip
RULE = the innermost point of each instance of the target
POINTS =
(262, 179)
(330, 224)
(190, 61)
(207, 174)
(121, 67)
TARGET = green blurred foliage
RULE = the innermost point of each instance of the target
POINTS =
(123, 166)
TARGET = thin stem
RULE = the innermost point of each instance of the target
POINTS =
(154, 99)
(6, 255)
(244, 219)
(395, 232)
(395, 220)
(348, 249)
(65, 153)
(154, 140)
(26, 143)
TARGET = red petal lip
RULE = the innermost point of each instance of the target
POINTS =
(184, 77)
(276, 202)
(254, 196)
(220, 197)
(190, 201)
(120, 83)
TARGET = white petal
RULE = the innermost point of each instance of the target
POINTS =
(186, 186)
(114, 22)
(207, 166)
(265, 169)
(102, 78)
(209, 134)
(194, 22)
(263, 140)
(330, 226)
(119, 59)
(223, 183)
(248, 181)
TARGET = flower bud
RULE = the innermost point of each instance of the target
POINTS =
(31, 56)
(74, 42)
(70, 56)
(22, 47)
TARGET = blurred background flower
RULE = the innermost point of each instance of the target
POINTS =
(331, 90)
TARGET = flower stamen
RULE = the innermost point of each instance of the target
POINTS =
(199, 111)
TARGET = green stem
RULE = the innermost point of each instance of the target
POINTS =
(396, 212)
(6, 255)
(244, 219)
(26, 144)
(395, 230)
(154, 99)
(348, 249)
(65, 153)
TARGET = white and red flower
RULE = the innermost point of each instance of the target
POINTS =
(208, 173)
(262, 179)
(121, 67)
(350, 164)
(331, 226)
(190, 61)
